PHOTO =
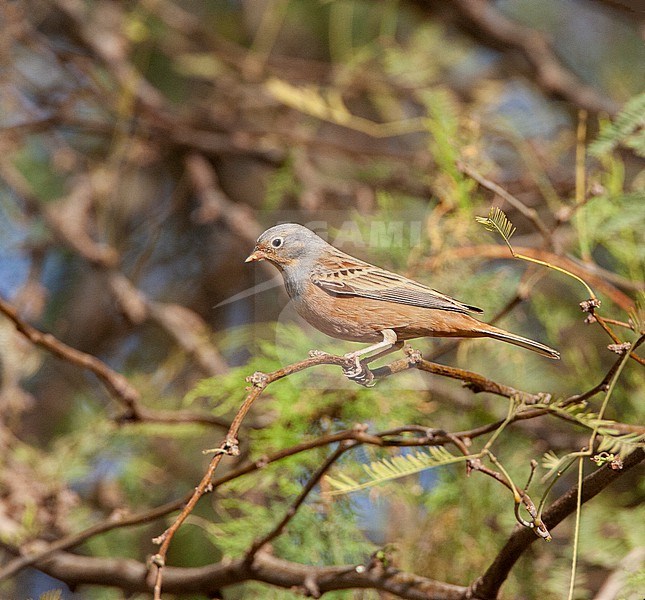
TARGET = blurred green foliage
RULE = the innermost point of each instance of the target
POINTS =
(372, 143)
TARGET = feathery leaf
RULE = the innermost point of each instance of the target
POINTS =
(628, 129)
(498, 221)
(392, 468)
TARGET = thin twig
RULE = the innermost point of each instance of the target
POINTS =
(587, 272)
(530, 213)
(115, 383)
(618, 323)
(489, 584)
(229, 446)
(293, 509)
(604, 324)
(576, 531)
(549, 72)
(130, 574)
(146, 516)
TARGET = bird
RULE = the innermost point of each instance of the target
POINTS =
(353, 300)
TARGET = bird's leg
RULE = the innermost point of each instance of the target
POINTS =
(360, 373)
(382, 353)
(389, 340)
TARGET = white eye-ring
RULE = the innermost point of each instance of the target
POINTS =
(276, 242)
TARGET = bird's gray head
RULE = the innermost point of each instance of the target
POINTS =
(288, 246)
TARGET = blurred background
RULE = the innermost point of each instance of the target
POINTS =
(144, 145)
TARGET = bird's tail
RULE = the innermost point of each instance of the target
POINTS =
(518, 340)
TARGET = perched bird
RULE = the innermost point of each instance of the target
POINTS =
(349, 299)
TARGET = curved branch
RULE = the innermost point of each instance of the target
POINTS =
(153, 514)
(131, 576)
(474, 381)
(589, 273)
(493, 28)
(260, 381)
(229, 446)
(115, 383)
(487, 587)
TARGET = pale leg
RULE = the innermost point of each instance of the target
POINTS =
(360, 373)
(382, 353)
(389, 339)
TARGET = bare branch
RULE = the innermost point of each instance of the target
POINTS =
(293, 509)
(229, 446)
(530, 213)
(474, 381)
(489, 584)
(115, 383)
(589, 273)
(215, 205)
(492, 26)
(130, 575)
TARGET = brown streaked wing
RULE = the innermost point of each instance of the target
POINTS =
(343, 275)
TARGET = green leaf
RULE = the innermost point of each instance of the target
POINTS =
(621, 445)
(499, 222)
(628, 129)
(395, 467)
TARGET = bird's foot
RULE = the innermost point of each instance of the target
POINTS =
(358, 371)
(354, 369)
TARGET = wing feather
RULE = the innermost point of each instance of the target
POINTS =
(343, 275)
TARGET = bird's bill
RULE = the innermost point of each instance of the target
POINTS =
(255, 256)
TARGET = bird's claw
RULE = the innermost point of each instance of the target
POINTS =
(359, 373)
(355, 370)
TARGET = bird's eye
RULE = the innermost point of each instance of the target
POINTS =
(277, 242)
